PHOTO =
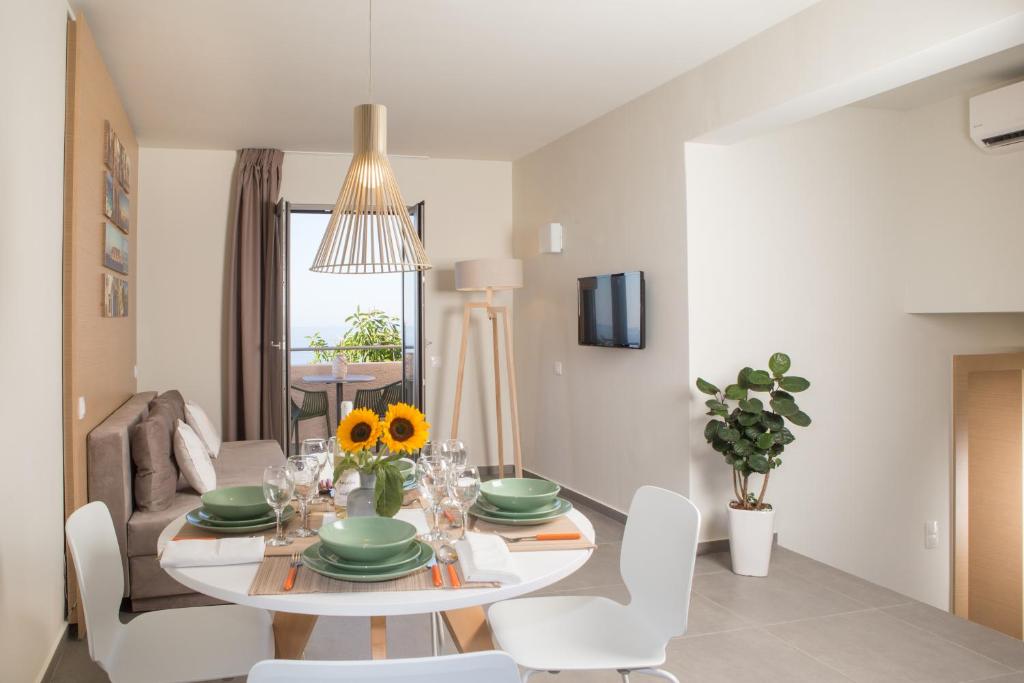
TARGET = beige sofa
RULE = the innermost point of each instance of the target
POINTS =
(111, 480)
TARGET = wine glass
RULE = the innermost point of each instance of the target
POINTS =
(432, 482)
(456, 450)
(464, 489)
(319, 449)
(305, 471)
(278, 487)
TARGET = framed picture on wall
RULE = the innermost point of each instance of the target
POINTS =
(115, 248)
(126, 170)
(122, 209)
(108, 196)
(108, 145)
(115, 296)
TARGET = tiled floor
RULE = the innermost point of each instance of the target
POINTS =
(805, 622)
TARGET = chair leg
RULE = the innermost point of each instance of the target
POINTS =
(658, 673)
(295, 434)
(527, 673)
(625, 675)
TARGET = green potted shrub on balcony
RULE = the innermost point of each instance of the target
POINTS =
(752, 436)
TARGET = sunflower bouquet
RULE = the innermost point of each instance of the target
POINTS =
(371, 446)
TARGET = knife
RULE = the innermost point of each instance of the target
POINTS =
(435, 571)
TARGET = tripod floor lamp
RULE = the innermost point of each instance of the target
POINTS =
(489, 276)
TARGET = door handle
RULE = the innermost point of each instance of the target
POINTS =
(277, 345)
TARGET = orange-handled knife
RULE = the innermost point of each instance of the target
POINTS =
(454, 576)
(544, 537)
(435, 571)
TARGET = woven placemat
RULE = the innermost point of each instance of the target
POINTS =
(273, 571)
(562, 525)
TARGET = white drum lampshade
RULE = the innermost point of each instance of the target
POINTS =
(479, 275)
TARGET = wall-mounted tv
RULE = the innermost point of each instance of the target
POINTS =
(611, 310)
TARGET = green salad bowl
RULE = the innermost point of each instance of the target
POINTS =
(236, 502)
(519, 495)
(367, 539)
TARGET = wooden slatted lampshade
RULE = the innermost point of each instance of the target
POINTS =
(370, 230)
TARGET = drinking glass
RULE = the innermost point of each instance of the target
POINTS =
(278, 487)
(464, 489)
(320, 449)
(305, 471)
(456, 450)
(432, 481)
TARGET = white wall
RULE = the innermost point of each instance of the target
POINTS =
(821, 205)
(183, 235)
(967, 219)
(32, 50)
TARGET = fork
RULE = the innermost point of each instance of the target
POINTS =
(289, 581)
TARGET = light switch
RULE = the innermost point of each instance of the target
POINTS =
(435, 361)
(931, 534)
(558, 367)
(81, 407)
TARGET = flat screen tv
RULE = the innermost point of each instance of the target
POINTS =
(611, 310)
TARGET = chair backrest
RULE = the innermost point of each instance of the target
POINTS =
(393, 393)
(380, 398)
(97, 560)
(659, 550)
(476, 667)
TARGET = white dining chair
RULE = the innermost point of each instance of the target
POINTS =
(576, 633)
(477, 667)
(187, 644)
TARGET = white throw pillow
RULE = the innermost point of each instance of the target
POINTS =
(199, 421)
(193, 459)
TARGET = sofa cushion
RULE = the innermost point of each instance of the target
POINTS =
(198, 420)
(193, 459)
(240, 463)
(175, 400)
(156, 475)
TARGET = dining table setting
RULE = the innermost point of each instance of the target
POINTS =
(456, 543)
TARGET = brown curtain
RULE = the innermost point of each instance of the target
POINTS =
(254, 322)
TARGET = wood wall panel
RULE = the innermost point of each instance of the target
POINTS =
(995, 401)
(99, 353)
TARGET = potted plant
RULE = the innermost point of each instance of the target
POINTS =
(323, 354)
(752, 436)
(371, 446)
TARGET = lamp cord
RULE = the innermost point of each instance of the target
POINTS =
(369, 70)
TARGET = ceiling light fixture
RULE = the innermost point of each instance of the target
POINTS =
(370, 230)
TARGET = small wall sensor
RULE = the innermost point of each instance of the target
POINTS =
(550, 238)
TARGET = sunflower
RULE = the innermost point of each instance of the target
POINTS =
(405, 428)
(359, 431)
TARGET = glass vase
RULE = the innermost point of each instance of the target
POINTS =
(361, 501)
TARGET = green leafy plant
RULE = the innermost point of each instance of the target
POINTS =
(321, 352)
(749, 434)
(372, 328)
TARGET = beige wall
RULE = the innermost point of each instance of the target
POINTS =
(965, 218)
(184, 214)
(31, 188)
(825, 200)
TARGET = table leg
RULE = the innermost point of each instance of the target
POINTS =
(291, 633)
(469, 628)
(378, 637)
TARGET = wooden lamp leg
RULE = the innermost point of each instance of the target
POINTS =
(466, 310)
(492, 313)
(510, 363)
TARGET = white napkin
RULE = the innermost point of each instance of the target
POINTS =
(212, 552)
(486, 557)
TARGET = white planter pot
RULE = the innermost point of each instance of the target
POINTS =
(750, 540)
(339, 367)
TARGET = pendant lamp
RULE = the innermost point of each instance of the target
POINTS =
(370, 230)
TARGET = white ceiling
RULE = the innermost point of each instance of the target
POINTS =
(481, 79)
(967, 80)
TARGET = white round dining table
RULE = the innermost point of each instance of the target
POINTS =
(537, 569)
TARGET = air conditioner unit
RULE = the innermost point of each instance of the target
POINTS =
(997, 119)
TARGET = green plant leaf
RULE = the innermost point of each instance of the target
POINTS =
(747, 419)
(729, 434)
(753, 432)
(777, 462)
(778, 393)
(765, 441)
(735, 392)
(772, 421)
(785, 436)
(753, 405)
(711, 429)
(743, 447)
(743, 377)
(779, 364)
(715, 404)
(721, 446)
(800, 419)
(706, 387)
(784, 406)
(759, 463)
(387, 492)
(794, 383)
(759, 378)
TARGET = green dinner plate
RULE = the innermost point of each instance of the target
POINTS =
(495, 511)
(564, 507)
(213, 520)
(195, 520)
(338, 562)
(311, 558)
